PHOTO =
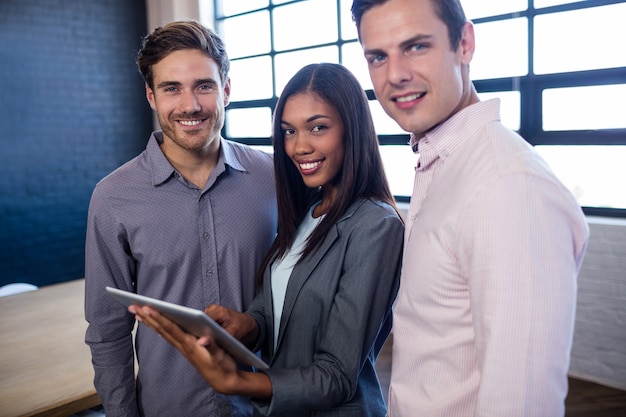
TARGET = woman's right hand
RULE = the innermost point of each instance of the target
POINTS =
(215, 365)
(240, 325)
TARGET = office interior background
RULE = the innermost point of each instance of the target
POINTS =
(73, 108)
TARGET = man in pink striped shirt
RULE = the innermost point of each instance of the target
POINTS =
(484, 320)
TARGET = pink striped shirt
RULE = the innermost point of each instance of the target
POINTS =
(484, 320)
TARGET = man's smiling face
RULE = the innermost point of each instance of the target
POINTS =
(418, 79)
(189, 99)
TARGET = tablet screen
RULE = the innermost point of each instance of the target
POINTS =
(193, 321)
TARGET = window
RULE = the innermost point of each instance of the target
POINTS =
(558, 67)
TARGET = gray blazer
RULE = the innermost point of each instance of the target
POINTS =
(336, 318)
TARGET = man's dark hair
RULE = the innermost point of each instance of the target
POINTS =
(449, 11)
(178, 36)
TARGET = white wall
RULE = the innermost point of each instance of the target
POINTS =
(599, 351)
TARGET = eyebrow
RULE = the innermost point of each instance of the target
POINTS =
(310, 119)
(317, 116)
(168, 84)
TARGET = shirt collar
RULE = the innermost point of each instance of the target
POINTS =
(228, 156)
(446, 138)
(162, 170)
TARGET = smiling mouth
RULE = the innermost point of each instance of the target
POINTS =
(190, 122)
(307, 166)
(410, 97)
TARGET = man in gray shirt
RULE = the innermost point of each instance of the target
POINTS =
(188, 221)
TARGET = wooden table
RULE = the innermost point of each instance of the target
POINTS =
(45, 365)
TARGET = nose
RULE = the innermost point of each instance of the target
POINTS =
(398, 70)
(188, 102)
(302, 145)
(297, 144)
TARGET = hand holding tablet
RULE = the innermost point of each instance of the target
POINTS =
(193, 321)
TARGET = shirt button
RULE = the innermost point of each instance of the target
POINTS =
(205, 235)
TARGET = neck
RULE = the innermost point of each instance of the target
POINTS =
(194, 166)
(329, 194)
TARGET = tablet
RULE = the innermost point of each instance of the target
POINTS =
(193, 321)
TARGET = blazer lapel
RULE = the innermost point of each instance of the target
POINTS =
(300, 275)
(303, 271)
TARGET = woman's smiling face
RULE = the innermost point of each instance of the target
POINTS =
(314, 139)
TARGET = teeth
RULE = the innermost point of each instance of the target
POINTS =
(410, 97)
(309, 165)
(189, 122)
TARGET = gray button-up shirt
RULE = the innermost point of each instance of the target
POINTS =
(151, 231)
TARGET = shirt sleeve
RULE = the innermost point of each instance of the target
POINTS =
(361, 307)
(109, 333)
(522, 243)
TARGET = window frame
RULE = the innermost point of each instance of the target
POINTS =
(529, 86)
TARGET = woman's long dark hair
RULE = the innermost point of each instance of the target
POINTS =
(362, 173)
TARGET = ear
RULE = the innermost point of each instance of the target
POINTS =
(150, 97)
(468, 43)
(227, 92)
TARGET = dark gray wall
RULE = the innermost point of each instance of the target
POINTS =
(72, 108)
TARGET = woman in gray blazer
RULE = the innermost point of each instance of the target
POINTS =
(328, 283)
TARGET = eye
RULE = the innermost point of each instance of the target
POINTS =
(288, 131)
(376, 60)
(417, 48)
(170, 89)
(206, 88)
(318, 128)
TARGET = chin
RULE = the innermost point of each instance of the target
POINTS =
(410, 128)
(417, 129)
(312, 185)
